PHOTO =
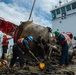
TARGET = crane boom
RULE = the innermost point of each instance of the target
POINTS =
(7, 27)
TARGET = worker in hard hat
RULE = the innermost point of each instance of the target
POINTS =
(25, 41)
(75, 40)
(5, 43)
(17, 51)
(61, 40)
(74, 37)
(75, 45)
(4, 35)
(72, 52)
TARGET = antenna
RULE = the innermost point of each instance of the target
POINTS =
(60, 2)
(31, 10)
(66, 0)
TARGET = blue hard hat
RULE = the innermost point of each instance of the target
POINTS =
(30, 38)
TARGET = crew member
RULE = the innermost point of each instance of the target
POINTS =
(5, 43)
(61, 40)
(18, 52)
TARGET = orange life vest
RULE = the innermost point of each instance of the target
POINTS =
(20, 41)
(5, 41)
(63, 42)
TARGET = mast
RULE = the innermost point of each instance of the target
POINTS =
(66, 0)
(60, 2)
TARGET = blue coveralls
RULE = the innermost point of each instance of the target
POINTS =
(64, 59)
(26, 44)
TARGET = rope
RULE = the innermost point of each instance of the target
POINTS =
(32, 10)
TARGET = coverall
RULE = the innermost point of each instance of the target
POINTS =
(64, 59)
(17, 52)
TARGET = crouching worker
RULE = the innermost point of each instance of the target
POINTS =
(25, 42)
(61, 40)
(17, 52)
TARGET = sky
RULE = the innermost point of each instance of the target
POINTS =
(16, 11)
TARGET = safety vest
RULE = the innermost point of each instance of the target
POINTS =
(20, 41)
(5, 41)
(63, 42)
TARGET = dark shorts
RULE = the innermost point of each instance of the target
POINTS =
(4, 49)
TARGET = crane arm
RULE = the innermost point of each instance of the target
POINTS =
(7, 27)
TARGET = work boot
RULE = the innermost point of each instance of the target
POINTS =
(23, 67)
(60, 66)
(67, 65)
(12, 70)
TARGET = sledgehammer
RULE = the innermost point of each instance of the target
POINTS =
(33, 55)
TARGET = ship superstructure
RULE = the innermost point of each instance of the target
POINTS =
(64, 17)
